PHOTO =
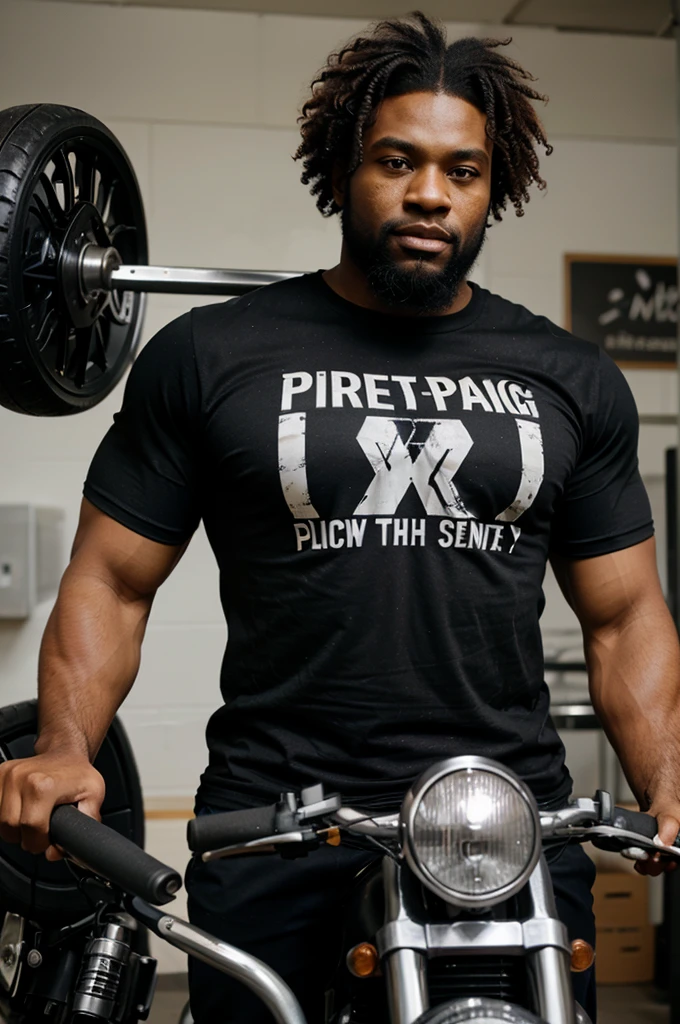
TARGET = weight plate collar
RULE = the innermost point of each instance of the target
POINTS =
(85, 228)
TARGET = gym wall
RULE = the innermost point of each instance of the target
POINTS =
(205, 103)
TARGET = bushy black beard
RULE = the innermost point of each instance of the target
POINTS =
(416, 288)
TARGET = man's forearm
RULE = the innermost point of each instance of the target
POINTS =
(634, 670)
(88, 661)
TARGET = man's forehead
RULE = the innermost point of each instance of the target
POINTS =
(426, 118)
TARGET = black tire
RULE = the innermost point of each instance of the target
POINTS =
(493, 1011)
(38, 342)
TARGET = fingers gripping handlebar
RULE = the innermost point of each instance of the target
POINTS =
(637, 821)
(111, 855)
(606, 826)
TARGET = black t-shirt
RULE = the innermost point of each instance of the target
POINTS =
(381, 494)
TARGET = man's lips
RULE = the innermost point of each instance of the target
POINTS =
(424, 244)
(424, 237)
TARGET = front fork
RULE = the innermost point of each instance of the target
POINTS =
(542, 939)
(550, 966)
(404, 968)
(406, 982)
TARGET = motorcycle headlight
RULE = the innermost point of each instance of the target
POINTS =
(486, 1011)
(471, 831)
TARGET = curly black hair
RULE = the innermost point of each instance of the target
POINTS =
(411, 54)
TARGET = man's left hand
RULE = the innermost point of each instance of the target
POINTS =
(667, 814)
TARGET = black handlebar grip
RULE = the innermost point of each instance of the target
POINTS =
(111, 855)
(229, 828)
(636, 821)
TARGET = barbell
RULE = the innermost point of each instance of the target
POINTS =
(73, 261)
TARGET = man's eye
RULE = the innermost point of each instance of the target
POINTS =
(395, 163)
(464, 173)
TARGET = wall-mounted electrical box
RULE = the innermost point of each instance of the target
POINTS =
(31, 557)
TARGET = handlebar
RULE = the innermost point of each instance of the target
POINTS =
(637, 821)
(111, 855)
(228, 828)
(596, 820)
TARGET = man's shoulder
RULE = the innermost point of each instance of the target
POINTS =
(512, 316)
(223, 330)
(281, 299)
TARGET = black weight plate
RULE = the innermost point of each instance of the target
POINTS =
(56, 164)
(32, 886)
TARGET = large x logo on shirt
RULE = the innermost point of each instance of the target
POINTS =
(431, 472)
(425, 453)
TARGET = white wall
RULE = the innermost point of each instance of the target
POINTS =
(205, 103)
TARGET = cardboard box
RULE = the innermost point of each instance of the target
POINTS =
(625, 938)
(625, 954)
(620, 900)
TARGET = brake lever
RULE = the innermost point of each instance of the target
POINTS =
(636, 841)
(265, 844)
(561, 825)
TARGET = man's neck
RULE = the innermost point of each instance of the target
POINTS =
(350, 283)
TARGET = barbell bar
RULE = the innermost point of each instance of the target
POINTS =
(193, 280)
(102, 270)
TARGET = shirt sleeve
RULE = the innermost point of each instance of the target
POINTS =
(145, 473)
(604, 506)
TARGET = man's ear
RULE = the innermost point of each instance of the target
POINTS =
(339, 183)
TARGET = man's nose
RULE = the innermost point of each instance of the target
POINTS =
(429, 189)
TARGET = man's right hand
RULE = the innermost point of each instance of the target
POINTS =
(30, 789)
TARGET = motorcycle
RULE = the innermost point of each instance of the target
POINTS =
(460, 880)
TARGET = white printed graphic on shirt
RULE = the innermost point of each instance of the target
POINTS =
(422, 453)
(293, 465)
(431, 472)
(531, 444)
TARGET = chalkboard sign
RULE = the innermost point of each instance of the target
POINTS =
(626, 304)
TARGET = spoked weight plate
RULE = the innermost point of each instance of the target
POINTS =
(65, 183)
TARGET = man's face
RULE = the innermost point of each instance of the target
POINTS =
(414, 212)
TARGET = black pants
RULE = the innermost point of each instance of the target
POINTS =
(289, 913)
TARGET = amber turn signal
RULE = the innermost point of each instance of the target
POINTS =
(362, 960)
(582, 955)
(333, 837)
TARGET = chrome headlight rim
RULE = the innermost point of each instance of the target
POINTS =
(409, 809)
(473, 1008)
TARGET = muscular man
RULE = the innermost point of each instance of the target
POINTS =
(384, 457)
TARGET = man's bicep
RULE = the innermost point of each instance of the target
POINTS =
(607, 591)
(133, 565)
